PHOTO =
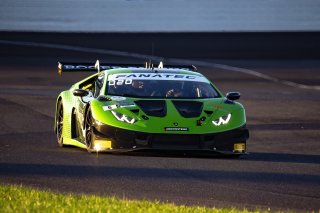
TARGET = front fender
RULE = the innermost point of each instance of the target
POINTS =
(66, 98)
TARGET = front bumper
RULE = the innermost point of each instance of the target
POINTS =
(127, 140)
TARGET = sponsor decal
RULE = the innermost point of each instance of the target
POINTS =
(218, 106)
(126, 78)
(110, 107)
(117, 98)
(108, 67)
(121, 105)
(92, 67)
(183, 129)
(127, 104)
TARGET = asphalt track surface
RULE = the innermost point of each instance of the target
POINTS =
(282, 170)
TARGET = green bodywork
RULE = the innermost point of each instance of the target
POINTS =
(75, 108)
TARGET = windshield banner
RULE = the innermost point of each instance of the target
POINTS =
(156, 76)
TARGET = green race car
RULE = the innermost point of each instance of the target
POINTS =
(127, 107)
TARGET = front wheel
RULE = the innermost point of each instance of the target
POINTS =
(59, 124)
(89, 134)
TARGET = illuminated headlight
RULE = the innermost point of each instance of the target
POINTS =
(124, 118)
(97, 147)
(222, 120)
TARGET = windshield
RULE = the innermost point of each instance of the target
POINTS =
(182, 88)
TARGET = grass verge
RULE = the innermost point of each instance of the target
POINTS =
(23, 199)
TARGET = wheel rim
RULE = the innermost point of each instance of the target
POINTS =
(60, 124)
(88, 125)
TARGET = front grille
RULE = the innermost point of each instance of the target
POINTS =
(127, 139)
(167, 141)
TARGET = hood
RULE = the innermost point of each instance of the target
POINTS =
(169, 115)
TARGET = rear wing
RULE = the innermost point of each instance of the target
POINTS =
(90, 67)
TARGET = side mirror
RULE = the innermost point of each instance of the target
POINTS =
(232, 96)
(80, 92)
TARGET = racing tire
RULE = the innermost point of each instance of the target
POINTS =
(59, 124)
(89, 134)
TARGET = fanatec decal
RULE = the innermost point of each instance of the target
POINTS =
(127, 77)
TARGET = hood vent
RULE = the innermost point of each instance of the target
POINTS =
(156, 108)
(136, 111)
(188, 109)
(208, 112)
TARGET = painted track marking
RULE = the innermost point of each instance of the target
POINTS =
(173, 60)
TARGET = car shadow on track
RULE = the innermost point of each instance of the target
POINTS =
(283, 157)
(252, 156)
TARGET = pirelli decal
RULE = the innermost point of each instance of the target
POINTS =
(183, 129)
(157, 76)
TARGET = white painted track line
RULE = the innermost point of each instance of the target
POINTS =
(172, 60)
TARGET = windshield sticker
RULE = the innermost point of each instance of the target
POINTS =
(126, 78)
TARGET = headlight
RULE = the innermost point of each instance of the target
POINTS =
(124, 118)
(222, 120)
